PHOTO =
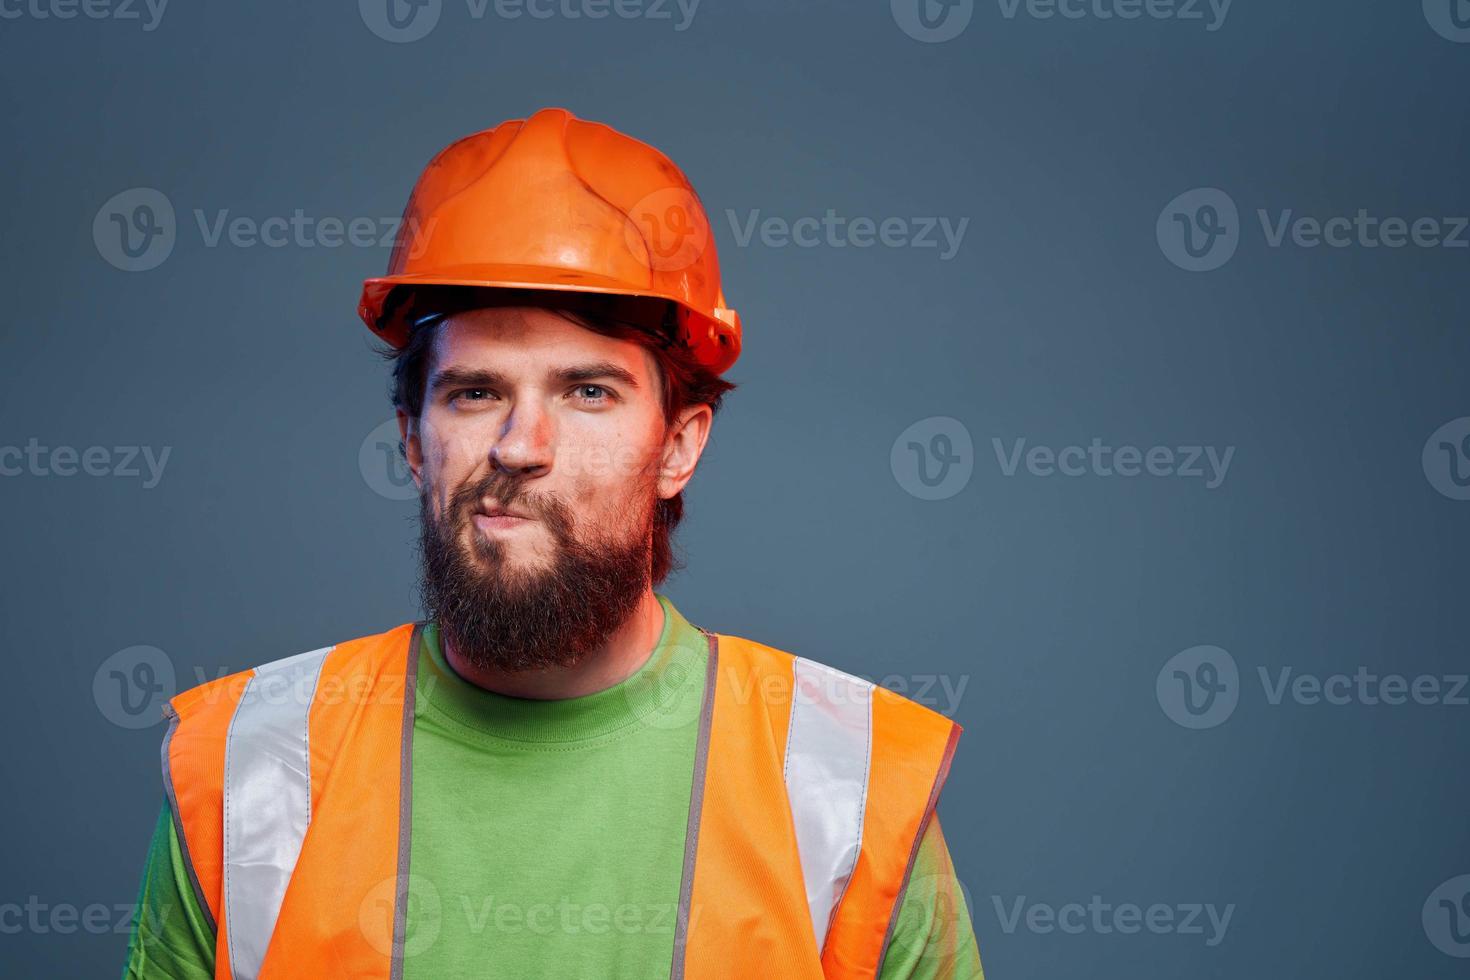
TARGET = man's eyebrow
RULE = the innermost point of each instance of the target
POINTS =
(598, 370)
(457, 377)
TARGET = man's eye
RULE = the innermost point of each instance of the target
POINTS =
(471, 394)
(592, 393)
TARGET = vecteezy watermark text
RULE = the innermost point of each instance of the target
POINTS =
(35, 459)
(1201, 229)
(1211, 13)
(934, 458)
(39, 917)
(1201, 687)
(1209, 463)
(936, 21)
(1097, 917)
(838, 231)
(136, 230)
(405, 21)
(90, 9)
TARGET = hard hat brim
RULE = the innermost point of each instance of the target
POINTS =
(385, 304)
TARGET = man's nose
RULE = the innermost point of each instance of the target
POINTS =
(524, 446)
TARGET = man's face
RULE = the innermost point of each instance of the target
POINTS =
(540, 454)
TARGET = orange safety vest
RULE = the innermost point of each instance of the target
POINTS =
(811, 791)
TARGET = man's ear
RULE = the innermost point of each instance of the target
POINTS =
(683, 445)
(413, 446)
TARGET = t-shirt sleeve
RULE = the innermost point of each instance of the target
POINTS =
(172, 938)
(933, 938)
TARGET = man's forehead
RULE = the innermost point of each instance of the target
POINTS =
(505, 338)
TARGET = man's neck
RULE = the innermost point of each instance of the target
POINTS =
(619, 657)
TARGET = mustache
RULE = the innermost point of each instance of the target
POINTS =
(510, 491)
(502, 486)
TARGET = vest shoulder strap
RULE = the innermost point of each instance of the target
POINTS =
(193, 767)
(244, 762)
(862, 768)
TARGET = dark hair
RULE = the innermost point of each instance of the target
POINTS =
(682, 380)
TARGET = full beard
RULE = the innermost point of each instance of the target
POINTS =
(499, 617)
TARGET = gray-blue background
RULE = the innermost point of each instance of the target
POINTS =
(1055, 600)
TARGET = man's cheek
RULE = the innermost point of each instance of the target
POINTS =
(583, 463)
(609, 464)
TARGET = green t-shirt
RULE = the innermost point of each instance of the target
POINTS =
(547, 838)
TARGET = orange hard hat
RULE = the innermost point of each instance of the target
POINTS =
(558, 204)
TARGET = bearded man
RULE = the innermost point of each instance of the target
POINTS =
(554, 773)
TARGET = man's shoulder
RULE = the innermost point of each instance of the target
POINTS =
(753, 652)
(359, 652)
(813, 679)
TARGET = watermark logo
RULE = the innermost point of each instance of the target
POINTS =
(949, 905)
(400, 21)
(423, 915)
(1362, 230)
(35, 459)
(1449, 18)
(1101, 918)
(1199, 230)
(1199, 687)
(932, 21)
(131, 686)
(668, 694)
(1446, 917)
(935, 21)
(383, 467)
(934, 458)
(135, 229)
(833, 230)
(667, 229)
(39, 917)
(941, 692)
(148, 12)
(424, 907)
(1207, 463)
(403, 21)
(1362, 687)
(567, 917)
(1446, 459)
(1211, 13)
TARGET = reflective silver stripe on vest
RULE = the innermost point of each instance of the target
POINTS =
(828, 748)
(267, 802)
